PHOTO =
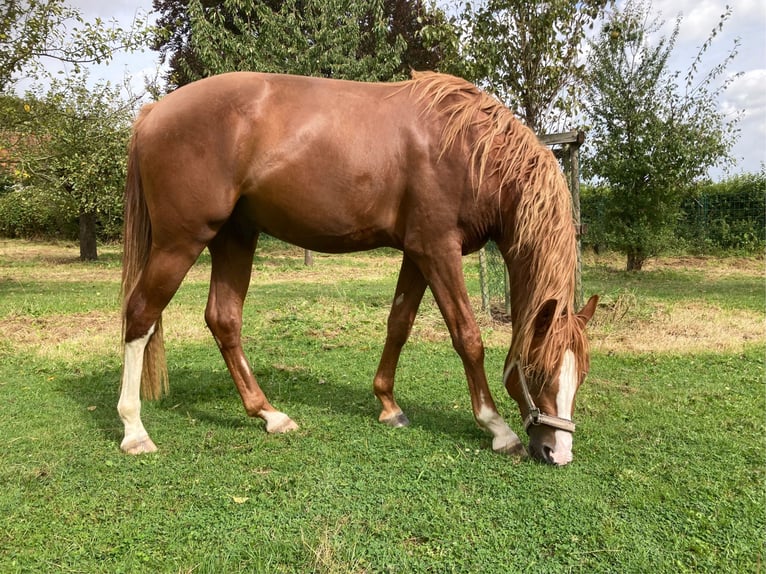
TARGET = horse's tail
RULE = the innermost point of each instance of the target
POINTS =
(137, 240)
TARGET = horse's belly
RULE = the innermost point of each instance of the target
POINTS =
(321, 221)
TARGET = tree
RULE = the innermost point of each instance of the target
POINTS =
(173, 36)
(650, 137)
(306, 37)
(342, 38)
(33, 31)
(71, 150)
(529, 54)
(407, 19)
(66, 147)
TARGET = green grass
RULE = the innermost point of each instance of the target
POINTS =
(669, 454)
(745, 291)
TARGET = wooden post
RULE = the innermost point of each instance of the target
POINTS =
(571, 142)
(507, 283)
(570, 154)
(574, 188)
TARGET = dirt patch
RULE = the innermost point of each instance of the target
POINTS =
(750, 266)
(90, 333)
(687, 328)
(683, 328)
(64, 335)
(30, 261)
(620, 325)
(710, 266)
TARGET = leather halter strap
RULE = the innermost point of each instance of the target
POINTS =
(535, 416)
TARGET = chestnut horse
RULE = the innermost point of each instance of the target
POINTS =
(432, 166)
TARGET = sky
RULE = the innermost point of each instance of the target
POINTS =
(747, 92)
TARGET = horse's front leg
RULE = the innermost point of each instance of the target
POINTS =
(409, 292)
(232, 259)
(445, 277)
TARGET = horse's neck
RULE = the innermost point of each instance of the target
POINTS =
(531, 285)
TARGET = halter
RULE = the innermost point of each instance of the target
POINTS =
(535, 416)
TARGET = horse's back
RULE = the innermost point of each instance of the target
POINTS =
(321, 163)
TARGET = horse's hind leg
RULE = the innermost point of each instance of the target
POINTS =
(407, 297)
(159, 280)
(232, 259)
(135, 439)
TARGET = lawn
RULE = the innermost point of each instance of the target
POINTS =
(669, 452)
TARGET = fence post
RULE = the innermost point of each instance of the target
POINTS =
(571, 142)
(574, 188)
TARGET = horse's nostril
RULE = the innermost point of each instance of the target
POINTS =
(548, 454)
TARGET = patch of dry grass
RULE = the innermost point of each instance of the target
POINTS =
(688, 328)
(622, 323)
(710, 266)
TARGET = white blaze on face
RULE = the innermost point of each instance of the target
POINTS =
(562, 453)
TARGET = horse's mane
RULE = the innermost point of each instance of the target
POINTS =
(543, 246)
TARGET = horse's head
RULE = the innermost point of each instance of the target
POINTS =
(545, 383)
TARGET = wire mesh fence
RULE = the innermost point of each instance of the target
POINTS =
(731, 221)
(493, 276)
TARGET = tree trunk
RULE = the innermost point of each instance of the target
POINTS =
(88, 251)
(635, 261)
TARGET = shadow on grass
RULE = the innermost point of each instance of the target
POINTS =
(209, 395)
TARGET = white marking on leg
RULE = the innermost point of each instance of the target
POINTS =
(400, 299)
(562, 453)
(136, 440)
(504, 439)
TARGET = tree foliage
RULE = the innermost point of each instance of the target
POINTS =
(653, 132)
(728, 215)
(309, 37)
(35, 31)
(62, 146)
(375, 40)
(68, 149)
(529, 54)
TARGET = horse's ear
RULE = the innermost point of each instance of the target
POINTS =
(545, 317)
(586, 313)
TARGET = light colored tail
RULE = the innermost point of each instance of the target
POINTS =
(137, 241)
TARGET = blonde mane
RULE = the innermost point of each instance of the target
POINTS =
(542, 255)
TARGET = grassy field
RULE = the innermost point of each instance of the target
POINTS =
(669, 454)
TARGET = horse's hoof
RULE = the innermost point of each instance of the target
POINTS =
(397, 421)
(287, 426)
(278, 423)
(138, 446)
(511, 448)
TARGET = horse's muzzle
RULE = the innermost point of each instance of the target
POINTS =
(543, 446)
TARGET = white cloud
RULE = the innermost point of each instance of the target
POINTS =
(121, 10)
(748, 93)
(747, 24)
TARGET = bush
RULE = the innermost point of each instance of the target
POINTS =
(33, 216)
(719, 217)
(729, 216)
